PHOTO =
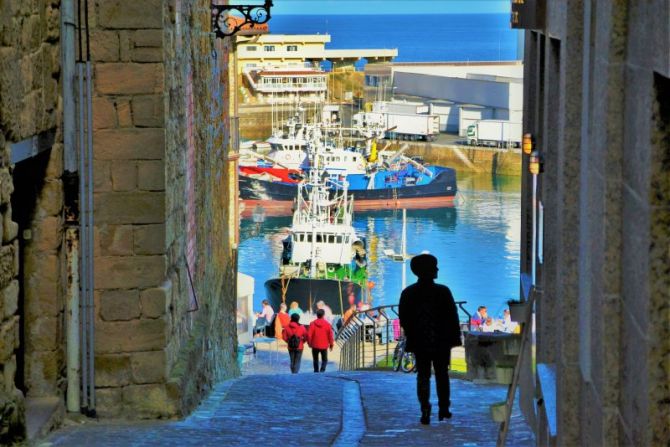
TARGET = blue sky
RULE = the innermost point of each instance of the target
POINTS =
(389, 6)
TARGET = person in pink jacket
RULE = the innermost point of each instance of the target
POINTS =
(320, 339)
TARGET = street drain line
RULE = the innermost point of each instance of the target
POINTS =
(353, 420)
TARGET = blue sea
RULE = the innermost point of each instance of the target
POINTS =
(418, 38)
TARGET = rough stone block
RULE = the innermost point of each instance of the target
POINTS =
(104, 46)
(51, 198)
(124, 175)
(43, 371)
(102, 175)
(104, 116)
(9, 374)
(128, 14)
(10, 229)
(41, 297)
(130, 336)
(154, 302)
(119, 305)
(151, 175)
(112, 370)
(148, 367)
(116, 240)
(109, 402)
(10, 299)
(148, 38)
(8, 264)
(130, 207)
(128, 78)
(47, 234)
(114, 272)
(129, 144)
(124, 113)
(149, 239)
(6, 185)
(150, 401)
(146, 55)
(55, 166)
(9, 337)
(148, 111)
(12, 405)
(42, 334)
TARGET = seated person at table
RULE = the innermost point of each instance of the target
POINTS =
(265, 317)
(479, 318)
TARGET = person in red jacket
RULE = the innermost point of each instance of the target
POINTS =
(296, 329)
(320, 338)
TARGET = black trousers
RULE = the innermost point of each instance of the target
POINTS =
(440, 362)
(295, 357)
(324, 359)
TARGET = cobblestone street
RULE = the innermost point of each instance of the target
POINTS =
(307, 409)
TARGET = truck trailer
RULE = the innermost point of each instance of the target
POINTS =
(496, 133)
(402, 126)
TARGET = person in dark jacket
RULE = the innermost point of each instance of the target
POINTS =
(320, 338)
(429, 318)
(297, 329)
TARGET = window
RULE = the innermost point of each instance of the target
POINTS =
(319, 238)
(269, 48)
(252, 48)
(331, 238)
(292, 48)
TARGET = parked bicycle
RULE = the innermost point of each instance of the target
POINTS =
(403, 360)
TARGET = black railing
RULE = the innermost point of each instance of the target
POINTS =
(368, 337)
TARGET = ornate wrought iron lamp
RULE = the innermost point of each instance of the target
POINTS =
(227, 20)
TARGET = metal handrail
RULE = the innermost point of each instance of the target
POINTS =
(360, 331)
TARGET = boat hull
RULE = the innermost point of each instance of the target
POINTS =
(307, 291)
(276, 198)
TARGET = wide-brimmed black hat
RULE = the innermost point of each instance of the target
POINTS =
(423, 265)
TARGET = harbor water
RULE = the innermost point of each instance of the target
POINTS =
(477, 243)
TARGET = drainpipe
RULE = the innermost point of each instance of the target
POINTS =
(70, 181)
(72, 256)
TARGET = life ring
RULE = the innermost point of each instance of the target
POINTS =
(287, 157)
(331, 269)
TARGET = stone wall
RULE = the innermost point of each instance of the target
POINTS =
(31, 336)
(202, 346)
(162, 338)
(598, 88)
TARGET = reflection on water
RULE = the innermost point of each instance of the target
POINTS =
(476, 242)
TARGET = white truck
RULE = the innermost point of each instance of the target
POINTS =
(401, 126)
(496, 133)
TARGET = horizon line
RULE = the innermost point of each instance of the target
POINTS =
(385, 14)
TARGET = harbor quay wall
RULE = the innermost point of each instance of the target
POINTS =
(467, 158)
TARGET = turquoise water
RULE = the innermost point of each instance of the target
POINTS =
(477, 243)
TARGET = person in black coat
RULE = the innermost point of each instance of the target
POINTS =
(429, 318)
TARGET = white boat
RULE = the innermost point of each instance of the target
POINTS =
(289, 149)
(323, 258)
